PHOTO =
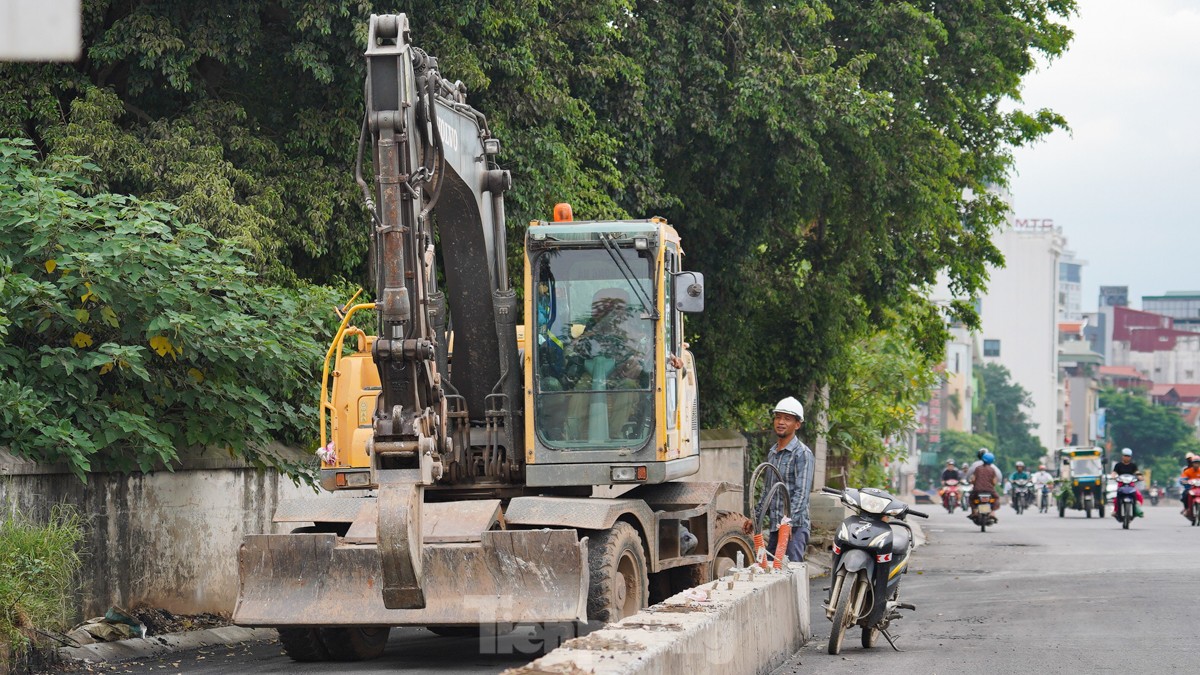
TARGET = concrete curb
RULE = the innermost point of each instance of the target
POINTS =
(750, 624)
(158, 645)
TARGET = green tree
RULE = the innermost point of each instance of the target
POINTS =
(962, 447)
(1157, 434)
(823, 161)
(1001, 414)
(126, 334)
(874, 399)
(830, 158)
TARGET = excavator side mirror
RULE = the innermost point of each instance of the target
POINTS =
(689, 292)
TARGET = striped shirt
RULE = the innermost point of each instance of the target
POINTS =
(795, 463)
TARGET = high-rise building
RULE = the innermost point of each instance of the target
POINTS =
(1070, 287)
(1019, 315)
(1182, 306)
(1110, 296)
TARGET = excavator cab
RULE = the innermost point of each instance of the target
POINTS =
(612, 399)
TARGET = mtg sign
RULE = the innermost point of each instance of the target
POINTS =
(1033, 223)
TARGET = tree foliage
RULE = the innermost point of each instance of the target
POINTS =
(962, 447)
(1157, 434)
(873, 400)
(1001, 415)
(126, 335)
(823, 159)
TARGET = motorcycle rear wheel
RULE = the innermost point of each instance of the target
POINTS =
(849, 602)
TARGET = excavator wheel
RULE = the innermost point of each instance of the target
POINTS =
(355, 643)
(303, 644)
(619, 581)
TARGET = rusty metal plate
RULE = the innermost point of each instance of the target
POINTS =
(584, 513)
(508, 577)
(320, 509)
(674, 496)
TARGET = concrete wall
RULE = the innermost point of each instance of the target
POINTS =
(161, 539)
(745, 624)
(170, 539)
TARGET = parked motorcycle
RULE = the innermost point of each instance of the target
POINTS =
(1126, 509)
(1022, 495)
(950, 495)
(1192, 497)
(984, 503)
(870, 554)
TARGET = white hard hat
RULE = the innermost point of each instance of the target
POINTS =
(1127, 452)
(790, 406)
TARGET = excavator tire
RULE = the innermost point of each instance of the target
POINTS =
(619, 584)
(355, 643)
(303, 644)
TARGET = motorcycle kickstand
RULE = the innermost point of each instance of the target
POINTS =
(887, 636)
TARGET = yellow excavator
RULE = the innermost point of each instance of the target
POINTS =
(489, 460)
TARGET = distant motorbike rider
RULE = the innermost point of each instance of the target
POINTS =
(1042, 476)
(977, 463)
(1190, 472)
(983, 476)
(1043, 481)
(1124, 466)
(1020, 473)
(950, 473)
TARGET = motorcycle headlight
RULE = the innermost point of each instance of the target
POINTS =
(873, 504)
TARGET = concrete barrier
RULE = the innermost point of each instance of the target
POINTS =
(747, 624)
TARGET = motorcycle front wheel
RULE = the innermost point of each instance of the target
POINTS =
(869, 637)
(845, 613)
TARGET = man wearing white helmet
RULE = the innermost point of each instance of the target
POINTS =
(1126, 465)
(795, 463)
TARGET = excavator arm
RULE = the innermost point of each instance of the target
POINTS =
(436, 187)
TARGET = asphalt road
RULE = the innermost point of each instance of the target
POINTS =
(409, 650)
(1036, 593)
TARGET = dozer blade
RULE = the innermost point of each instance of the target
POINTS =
(510, 576)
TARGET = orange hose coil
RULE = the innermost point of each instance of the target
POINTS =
(760, 549)
(785, 533)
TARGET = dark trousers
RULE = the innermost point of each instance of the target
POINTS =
(796, 544)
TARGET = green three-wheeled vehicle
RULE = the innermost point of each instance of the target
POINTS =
(1081, 481)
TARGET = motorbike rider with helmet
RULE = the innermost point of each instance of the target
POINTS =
(1042, 479)
(984, 476)
(950, 473)
(1191, 471)
(977, 463)
(1123, 466)
(1019, 474)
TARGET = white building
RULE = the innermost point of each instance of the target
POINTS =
(1019, 312)
(1070, 287)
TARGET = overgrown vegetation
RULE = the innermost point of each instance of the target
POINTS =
(40, 563)
(1157, 434)
(823, 160)
(1001, 415)
(126, 334)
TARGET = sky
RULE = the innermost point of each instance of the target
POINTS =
(1124, 183)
